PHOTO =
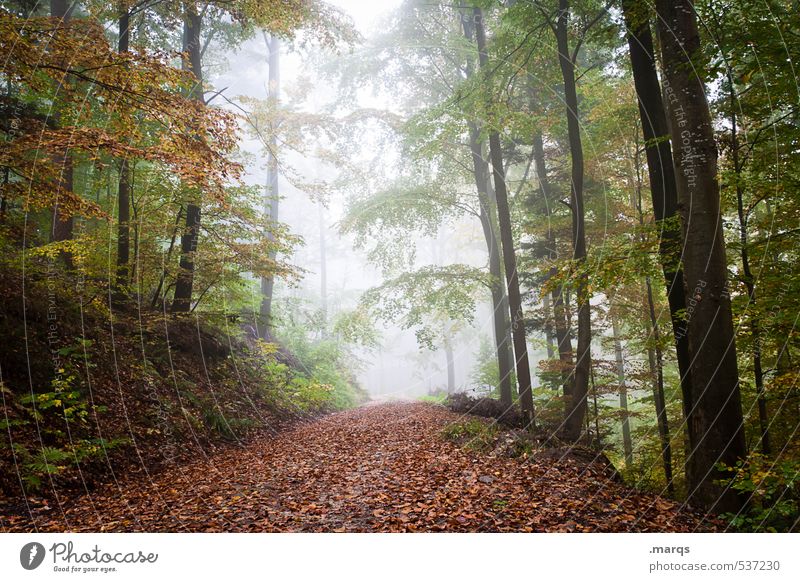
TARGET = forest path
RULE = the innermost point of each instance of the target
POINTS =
(381, 467)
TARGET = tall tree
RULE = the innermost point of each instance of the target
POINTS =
(664, 195)
(562, 331)
(500, 307)
(748, 278)
(184, 284)
(124, 184)
(715, 417)
(272, 194)
(619, 358)
(63, 223)
(567, 60)
(507, 243)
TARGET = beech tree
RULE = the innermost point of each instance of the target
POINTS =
(507, 243)
(714, 411)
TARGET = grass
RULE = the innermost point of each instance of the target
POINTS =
(437, 399)
(472, 433)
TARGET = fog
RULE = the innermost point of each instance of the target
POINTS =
(399, 367)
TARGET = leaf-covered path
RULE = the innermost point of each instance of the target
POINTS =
(377, 468)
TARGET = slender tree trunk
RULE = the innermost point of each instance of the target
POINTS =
(627, 444)
(563, 337)
(505, 310)
(272, 197)
(323, 267)
(594, 404)
(486, 202)
(499, 306)
(548, 326)
(184, 283)
(716, 415)
(507, 243)
(577, 408)
(62, 225)
(655, 357)
(663, 189)
(3, 202)
(747, 275)
(167, 260)
(451, 366)
(564, 344)
(656, 361)
(124, 188)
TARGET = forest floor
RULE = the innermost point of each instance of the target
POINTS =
(381, 467)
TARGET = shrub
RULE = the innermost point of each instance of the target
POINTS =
(773, 490)
(486, 407)
(472, 433)
(61, 416)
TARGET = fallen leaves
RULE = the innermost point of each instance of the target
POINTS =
(376, 468)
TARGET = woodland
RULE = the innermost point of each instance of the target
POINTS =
(579, 219)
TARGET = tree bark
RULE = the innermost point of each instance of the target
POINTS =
(715, 417)
(272, 195)
(627, 444)
(184, 284)
(663, 189)
(62, 226)
(549, 333)
(656, 361)
(451, 366)
(507, 243)
(499, 307)
(562, 334)
(124, 187)
(577, 406)
(747, 275)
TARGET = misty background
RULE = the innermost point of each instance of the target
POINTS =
(399, 367)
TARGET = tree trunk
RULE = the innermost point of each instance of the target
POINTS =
(577, 407)
(563, 337)
(167, 260)
(507, 243)
(123, 191)
(62, 225)
(627, 445)
(486, 202)
(663, 189)
(548, 326)
(272, 195)
(747, 275)
(499, 306)
(716, 414)
(656, 361)
(184, 284)
(451, 366)
(323, 269)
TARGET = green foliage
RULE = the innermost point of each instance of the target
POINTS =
(60, 415)
(772, 489)
(36, 464)
(434, 398)
(485, 369)
(474, 434)
(322, 378)
(355, 327)
(428, 300)
(382, 221)
(226, 426)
